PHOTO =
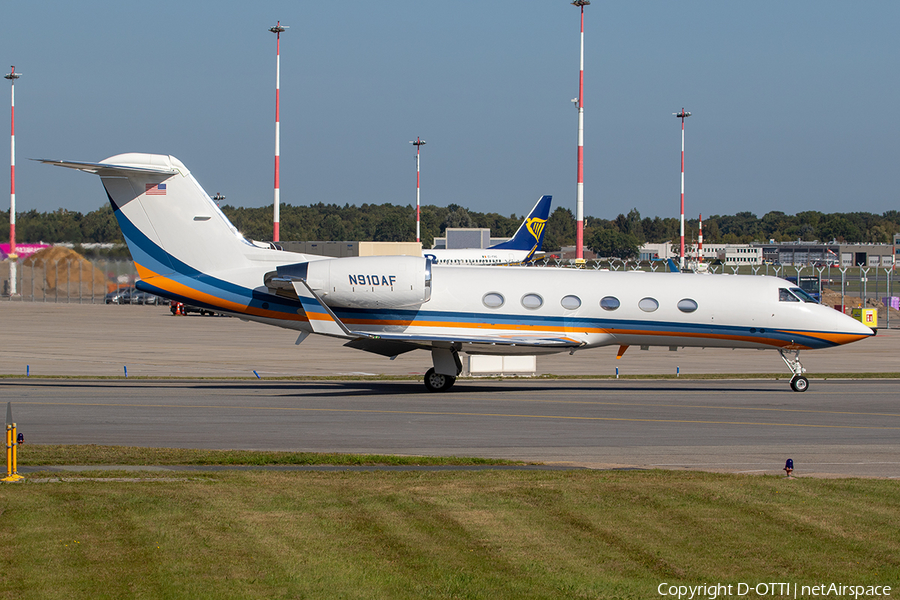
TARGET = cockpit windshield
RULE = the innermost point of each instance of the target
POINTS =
(785, 296)
(794, 295)
(803, 295)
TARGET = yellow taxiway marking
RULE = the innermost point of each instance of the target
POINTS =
(452, 414)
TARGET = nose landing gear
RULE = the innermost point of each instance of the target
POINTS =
(799, 382)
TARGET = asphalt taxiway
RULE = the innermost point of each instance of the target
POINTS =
(839, 427)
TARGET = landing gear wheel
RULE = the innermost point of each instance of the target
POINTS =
(799, 383)
(435, 382)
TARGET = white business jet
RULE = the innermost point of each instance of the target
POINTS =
(518, 250)
(186, 249)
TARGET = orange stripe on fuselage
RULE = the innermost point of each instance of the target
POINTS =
(314, 316)
(711, 336)
(565, 329)
(179, 289)
(169, 285)
(479, 325)
(834, 338)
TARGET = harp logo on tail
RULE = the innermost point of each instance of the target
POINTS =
(535, 226)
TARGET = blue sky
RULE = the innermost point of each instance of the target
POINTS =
(794, 103)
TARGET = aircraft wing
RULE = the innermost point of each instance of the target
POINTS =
(394, 344)
(534, 341)
(397, 343)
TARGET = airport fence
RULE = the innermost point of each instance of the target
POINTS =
(67, 280)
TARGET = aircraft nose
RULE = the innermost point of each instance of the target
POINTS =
(854, 327)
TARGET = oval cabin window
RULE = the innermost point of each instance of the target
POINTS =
(648, 304)
(493, 300)
(571, 302)
(687, 305)
(532, 301)
(609, 303)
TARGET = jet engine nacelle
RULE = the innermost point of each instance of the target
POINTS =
(367, 281)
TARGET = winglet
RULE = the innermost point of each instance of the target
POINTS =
(622, 350)
(321, 318)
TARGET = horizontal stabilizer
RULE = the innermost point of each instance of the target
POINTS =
(109, 169)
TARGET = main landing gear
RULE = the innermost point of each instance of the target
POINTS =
(799, 382)
(447, 367)
(435, 382)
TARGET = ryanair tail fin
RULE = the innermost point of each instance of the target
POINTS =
(530, 235)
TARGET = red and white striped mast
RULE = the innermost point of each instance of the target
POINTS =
(579, 190)
(12, 182)
(682, 115)
(418, 144)
(700, 241)
(277, 216)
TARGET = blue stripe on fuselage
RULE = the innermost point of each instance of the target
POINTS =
(151, 256)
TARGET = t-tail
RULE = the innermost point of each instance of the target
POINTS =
(179, 239)
(530, 235)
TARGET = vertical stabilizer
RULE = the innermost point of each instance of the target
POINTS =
(530, 235)
(170, 223)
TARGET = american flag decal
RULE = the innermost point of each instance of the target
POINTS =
(155, 189)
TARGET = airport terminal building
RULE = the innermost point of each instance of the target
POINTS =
(729, 254)
(787, 253)
(456, 238)
(843, 255)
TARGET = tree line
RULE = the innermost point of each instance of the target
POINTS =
(623, 236)
(620, 237)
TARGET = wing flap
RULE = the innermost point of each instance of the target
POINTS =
(382, 347)
(428, 340)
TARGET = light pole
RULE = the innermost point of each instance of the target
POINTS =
(418, 144)
(682, 115)
(700, 241)
(277, 217)
(579, 189)
(13, 257)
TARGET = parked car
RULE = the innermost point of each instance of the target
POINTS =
(139, 297)
(120, 296)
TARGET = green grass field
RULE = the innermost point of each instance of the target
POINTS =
(446, 534)
(91, 454)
